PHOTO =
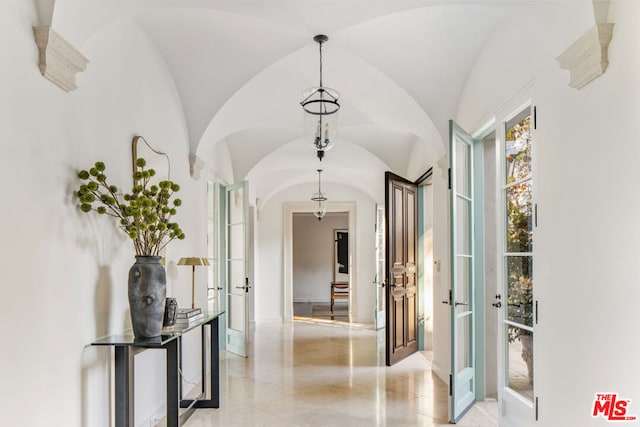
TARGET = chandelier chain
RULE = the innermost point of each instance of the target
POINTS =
(320, 43)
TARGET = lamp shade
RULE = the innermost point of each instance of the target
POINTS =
(193, 261)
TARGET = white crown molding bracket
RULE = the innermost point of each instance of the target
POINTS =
(196, 166)
(587, 58)
(59, 61)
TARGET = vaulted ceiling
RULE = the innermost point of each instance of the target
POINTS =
(240, 68)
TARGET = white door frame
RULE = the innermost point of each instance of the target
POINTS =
(289, 210)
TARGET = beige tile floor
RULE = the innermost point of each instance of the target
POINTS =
(309, 373)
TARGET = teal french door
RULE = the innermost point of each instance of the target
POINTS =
(236, 268)
(462, 380)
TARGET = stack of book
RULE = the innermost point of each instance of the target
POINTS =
(188, 316)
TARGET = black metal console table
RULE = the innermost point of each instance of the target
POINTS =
(126, 346)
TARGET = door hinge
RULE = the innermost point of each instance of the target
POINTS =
(536, 312)
(537, 412)
(450, 385)
(535, 118)
(449, 175)
(535, 215)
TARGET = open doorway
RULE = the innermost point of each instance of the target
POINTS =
(320, 264)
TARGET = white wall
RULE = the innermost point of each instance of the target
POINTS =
(270, 276)
(586, 253)
(313, 255)
(64, 273)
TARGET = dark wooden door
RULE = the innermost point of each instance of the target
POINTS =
(401, 220)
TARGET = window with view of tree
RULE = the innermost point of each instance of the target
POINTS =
(518, 252)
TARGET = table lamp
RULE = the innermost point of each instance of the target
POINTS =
(193, 261)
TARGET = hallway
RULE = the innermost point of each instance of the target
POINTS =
(314, 374)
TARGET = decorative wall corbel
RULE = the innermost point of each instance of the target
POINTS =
(587, 58)
(196, 165)
(58, 60)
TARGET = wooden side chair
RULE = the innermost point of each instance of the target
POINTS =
(339, 290)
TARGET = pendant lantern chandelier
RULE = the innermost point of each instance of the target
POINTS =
(319, 197)
(320, 105)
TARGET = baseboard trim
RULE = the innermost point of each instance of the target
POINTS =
(439, 373)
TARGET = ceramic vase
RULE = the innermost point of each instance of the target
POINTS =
(147, 293)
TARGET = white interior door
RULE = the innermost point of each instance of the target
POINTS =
(379, 281)
(237, 279)
(462, 387)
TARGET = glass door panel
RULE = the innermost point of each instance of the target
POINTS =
(464, 338)
(463, 214)
(237, 283)
(463, 167)
(519, 216)
(520, 290)
(520, 361)
(463, 284)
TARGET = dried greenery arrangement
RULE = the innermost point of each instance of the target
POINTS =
(145, 214)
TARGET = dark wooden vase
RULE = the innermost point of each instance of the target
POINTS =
(147, 293)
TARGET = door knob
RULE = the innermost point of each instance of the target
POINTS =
(460, 303)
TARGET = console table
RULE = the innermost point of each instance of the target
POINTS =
(126, 346)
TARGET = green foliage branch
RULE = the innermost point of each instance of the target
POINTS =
(145, 214)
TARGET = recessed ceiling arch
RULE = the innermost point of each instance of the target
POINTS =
(368, 98)
(295, 163)
(240, 68)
